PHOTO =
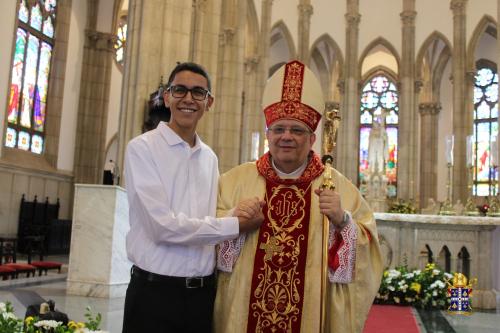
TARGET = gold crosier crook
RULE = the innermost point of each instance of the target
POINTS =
(332, 123)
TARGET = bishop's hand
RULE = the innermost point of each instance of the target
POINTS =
(249, 214)
(331, 206)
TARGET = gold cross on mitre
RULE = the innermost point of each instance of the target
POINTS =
(271, 247)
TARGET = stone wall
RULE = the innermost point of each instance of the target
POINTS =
(16, 181)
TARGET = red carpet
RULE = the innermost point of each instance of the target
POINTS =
(391, 319)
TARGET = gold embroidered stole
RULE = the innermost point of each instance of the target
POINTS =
(277, 290)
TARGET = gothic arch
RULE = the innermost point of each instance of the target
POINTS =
(117, 11)
(328, 59)
(463, 263)
(425, 256)
(380, 41)
(252, 31)
(279, 32)
(432, 58)
(379, 70)
(486, 25)
(444, 259)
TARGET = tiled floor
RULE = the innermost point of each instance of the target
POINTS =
(22, 292)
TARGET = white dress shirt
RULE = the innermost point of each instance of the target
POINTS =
(172, 193)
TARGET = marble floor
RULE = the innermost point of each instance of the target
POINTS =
(26, 291)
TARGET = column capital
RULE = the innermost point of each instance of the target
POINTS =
(305, 9)
(470, 76)
(458, 7)
(251, 64)
(429, 108)
(419, 83)
(352, 18)
(341, 85)
(408, 17)
(226, 36)
(332, 105)
(199, 4)
(101, 40)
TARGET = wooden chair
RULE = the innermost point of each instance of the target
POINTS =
(8, 259)
(35, 246)
(7, 272)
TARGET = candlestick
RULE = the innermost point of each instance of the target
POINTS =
(447, 206)
(494, 153)
(469, 151)
(449, 149)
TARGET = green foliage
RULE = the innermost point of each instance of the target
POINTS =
(9, 323)
(425, 289)
(402, 207)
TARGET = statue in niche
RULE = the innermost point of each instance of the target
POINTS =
(378, 147)
(378, 154)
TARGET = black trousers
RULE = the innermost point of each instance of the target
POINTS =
(156, 306)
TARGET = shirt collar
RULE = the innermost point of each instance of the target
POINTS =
(292, 175)
(173, 138)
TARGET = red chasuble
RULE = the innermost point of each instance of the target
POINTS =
(279, 267)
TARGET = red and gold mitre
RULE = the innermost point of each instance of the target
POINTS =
(293, 92)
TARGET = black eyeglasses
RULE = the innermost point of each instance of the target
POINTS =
(295, 131)
(198, 93)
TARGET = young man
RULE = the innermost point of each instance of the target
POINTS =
(171, 180)
(271, 280)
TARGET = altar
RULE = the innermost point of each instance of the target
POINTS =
(466, 244)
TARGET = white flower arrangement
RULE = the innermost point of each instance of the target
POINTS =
(9, 323)
(424, 289)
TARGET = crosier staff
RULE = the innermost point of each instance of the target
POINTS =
(332, 123)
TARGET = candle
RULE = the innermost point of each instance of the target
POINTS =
(449, 149)
(494, 153)
(469, 152)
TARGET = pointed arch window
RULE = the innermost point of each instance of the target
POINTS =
(485, 130)
(121, 41)
(379, 103)
(27, 103)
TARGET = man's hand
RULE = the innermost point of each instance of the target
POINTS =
(330, 205)
(249, 214)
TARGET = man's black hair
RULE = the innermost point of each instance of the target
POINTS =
(192, 67)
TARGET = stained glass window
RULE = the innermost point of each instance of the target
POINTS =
(27, 106)
(121, 40)
(485, 132)
(379, 128)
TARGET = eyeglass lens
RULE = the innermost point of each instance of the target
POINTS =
(297, 131)
(197, 93)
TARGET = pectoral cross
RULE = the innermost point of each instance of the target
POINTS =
(270, 247)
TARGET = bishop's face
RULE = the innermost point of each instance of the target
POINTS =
(290, 142)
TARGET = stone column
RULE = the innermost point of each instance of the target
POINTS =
(348, 136)
(93, 106)
(205, 28)
(460, 126)
(228, 113)
(159, 35)
(251, 110)
(256, 73)
(56, 83)
(305, 11)
(408, 120)
(429, 120)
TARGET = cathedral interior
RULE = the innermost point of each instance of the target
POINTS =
(415, 83)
